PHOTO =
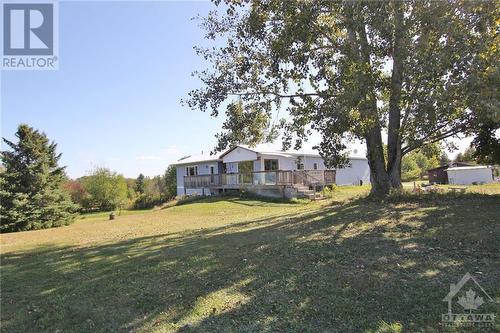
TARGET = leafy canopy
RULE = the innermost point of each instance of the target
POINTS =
(413, 70)
(106, 189)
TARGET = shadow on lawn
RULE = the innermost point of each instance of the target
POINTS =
(322, 271)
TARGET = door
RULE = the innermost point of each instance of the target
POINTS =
(245, 169)
(212, 177)
(269, 167)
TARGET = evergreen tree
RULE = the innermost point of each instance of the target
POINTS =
(140, 184)
(170, 182)
(31, 194)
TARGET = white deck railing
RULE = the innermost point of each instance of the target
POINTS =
(263, 178)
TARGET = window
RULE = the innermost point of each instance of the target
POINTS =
(315, 166)
(300, 166)
(192, 170)
(270, 165)
(245, 167)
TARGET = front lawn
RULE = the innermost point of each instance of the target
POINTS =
(243, 265)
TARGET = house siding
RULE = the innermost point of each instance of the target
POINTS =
(353, 174)
(357, 172)
(284, 163)
(469, 176)
(239, 155)
(203, 169)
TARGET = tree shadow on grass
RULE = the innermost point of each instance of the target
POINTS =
(353, 267)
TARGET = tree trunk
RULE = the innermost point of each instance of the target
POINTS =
(381, 184)
(395, 172)
(394, 129)
(379, 178)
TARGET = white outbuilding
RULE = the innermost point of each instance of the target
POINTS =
(480, 174)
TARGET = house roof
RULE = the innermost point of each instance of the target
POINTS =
(197, 159)
(470, 168)
(452, 165)
(272, 149)
(269, 149)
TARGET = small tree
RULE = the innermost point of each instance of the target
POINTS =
(30, 186)
(466, 156)
(76, 191)
(410, 169)
(107, 189)
(444, 159)
(140, 184)
(170, 182)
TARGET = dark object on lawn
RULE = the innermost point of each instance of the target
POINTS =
(112, 216)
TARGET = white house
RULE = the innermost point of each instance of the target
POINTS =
(466, 175)
(260, 168)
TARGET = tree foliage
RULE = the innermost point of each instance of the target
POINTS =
(486, 144)
(106, 190)
(140, 184)
(245, 125)
(416, 163)
(170, 182)
(158, 189)
(466, 156)
(354, 69)
(76, 191)
(30, 184)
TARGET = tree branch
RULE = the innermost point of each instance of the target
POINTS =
(277, 94)
(426, 141)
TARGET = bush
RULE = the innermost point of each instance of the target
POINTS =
(145, 201)
(329, 191)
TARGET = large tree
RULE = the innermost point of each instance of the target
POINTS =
(353, 69)
(31, 194)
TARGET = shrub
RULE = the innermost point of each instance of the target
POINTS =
(145, 201)
(329, 191)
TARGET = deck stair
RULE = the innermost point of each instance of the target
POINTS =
(305, 192)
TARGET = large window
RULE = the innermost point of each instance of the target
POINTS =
(271, 165)
(192, 170)
(245, 167)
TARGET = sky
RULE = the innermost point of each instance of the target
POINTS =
(115, 100)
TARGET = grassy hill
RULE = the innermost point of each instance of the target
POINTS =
(244, 265)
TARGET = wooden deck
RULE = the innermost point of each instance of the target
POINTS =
(262, 178)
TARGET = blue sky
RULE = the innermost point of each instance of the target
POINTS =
(115, 100)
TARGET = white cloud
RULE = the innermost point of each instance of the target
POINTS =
(148, 158)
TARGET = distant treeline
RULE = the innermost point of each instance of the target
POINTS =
(35, 192)
(105, 190)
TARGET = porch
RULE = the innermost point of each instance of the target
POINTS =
(300, 179)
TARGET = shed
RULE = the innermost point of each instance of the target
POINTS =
(481, 174)
(439, 176)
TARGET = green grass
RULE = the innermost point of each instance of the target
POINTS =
(124, 212)
(242, 265)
